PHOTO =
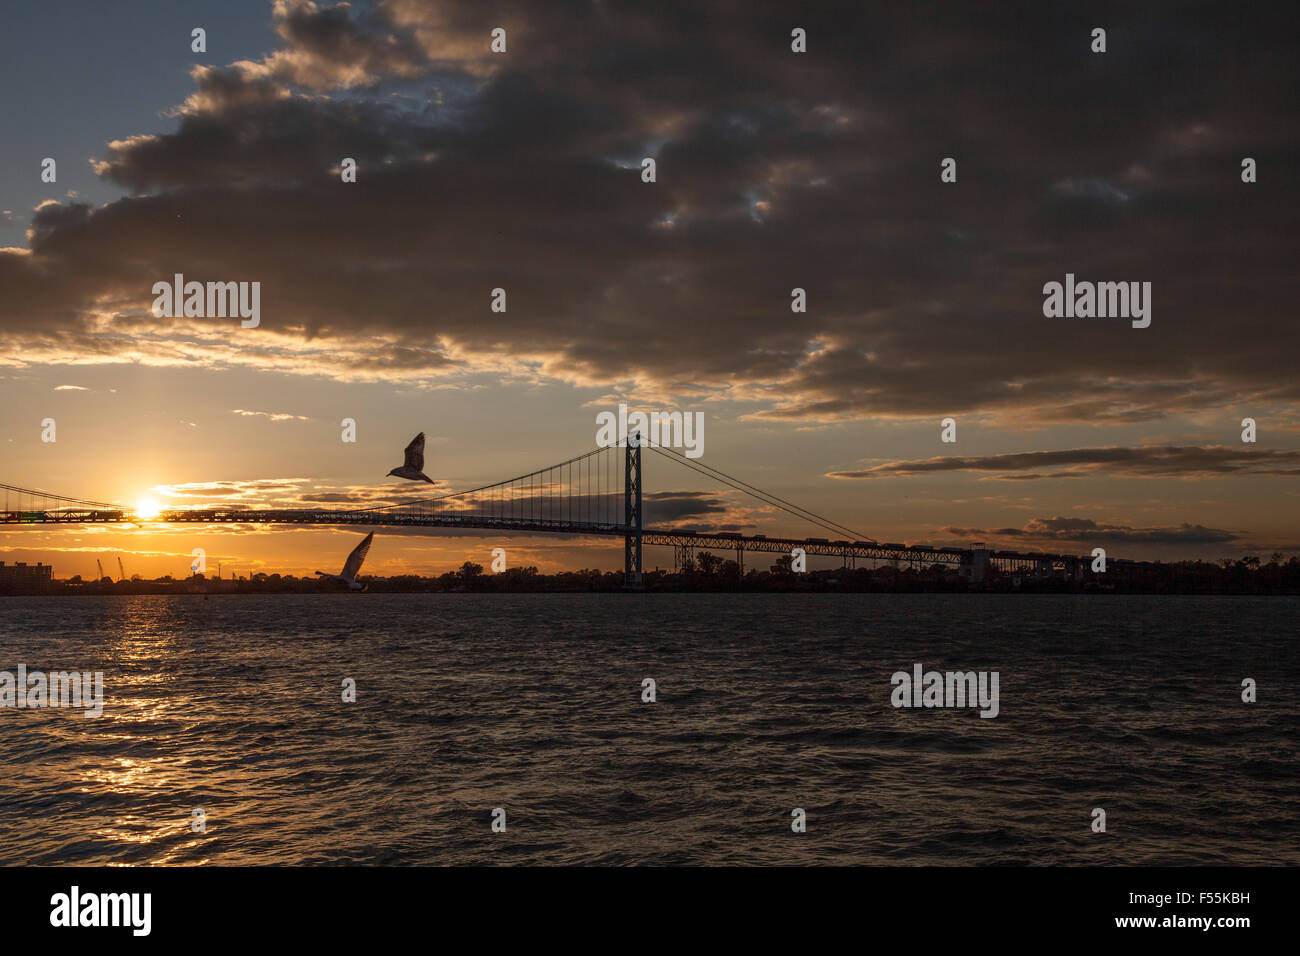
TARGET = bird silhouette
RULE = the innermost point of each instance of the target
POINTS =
(352, 565)
(413, 467)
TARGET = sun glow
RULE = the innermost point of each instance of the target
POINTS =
(147, 508)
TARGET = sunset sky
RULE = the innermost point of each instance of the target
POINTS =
(775, 170)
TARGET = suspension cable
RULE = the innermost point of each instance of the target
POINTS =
(764, 496)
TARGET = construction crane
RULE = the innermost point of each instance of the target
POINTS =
(100, 564)
(120, 568)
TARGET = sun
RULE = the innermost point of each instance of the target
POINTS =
(147, 508)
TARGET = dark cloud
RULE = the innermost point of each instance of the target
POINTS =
(289, 492)
(329, 46)
(776, 170)
(667, 508)
(1156, 461)
(370, 497)
(232, 489)
(1086, 530)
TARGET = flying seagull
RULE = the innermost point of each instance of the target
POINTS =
(352, 565)
(413, 467)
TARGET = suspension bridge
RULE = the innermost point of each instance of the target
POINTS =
(599, 493)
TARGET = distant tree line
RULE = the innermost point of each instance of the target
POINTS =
(709, 572)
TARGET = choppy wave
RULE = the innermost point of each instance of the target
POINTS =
(765, 703)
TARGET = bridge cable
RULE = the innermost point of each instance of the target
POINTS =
(765, 496)
(457, 494)
(61, 498)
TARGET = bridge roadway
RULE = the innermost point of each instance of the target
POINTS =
(685, 539)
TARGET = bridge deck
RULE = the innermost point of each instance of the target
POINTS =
(693, 540)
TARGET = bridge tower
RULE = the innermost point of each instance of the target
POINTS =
(632, 514)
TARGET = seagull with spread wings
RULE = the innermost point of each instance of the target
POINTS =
(352, 565)
(413, 467)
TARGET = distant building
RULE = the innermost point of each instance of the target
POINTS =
(25, 577)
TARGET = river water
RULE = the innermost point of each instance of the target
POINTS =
(465, 703)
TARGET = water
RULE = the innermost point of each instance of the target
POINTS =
(765, 703)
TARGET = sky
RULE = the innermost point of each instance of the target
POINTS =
(774, 170)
